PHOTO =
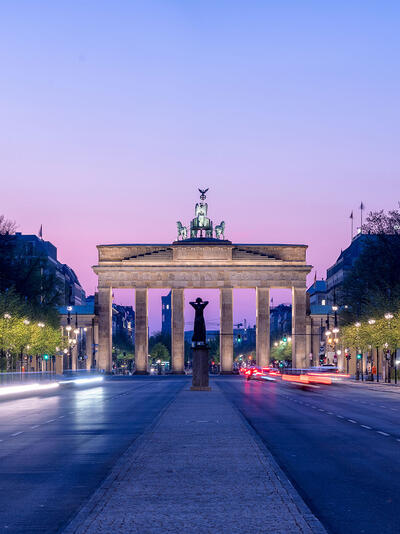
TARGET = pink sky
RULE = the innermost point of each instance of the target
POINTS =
(113, 116)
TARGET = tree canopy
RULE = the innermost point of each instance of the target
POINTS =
(25, 331)
(372, 287)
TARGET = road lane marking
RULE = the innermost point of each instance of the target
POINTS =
(61, 416)
(329, 413)
(17, 433)
(367, 427)
(340, 416)
(352, 421)
(382, 433)
(35, 426)
(50, 421)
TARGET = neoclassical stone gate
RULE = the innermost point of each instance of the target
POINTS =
(206, 263)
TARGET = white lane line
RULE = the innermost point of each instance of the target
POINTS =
(340, 416)
(320, 410)
(61, 416)
(352, 421)
(382, 433)
(71, 413)
(367, 427)
(50, 421)
(17, 433)
(396, 440)
(329, 413)
(35, 426)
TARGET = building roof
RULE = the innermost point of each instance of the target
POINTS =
(319, 286)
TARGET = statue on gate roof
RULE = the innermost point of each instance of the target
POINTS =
(201, 226)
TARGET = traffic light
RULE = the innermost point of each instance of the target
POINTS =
(284, 339)
(239, 338)
(359, 355)
(45, 356)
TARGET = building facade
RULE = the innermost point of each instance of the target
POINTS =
(33, 252)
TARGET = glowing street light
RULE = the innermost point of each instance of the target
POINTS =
(388, 316)
(371, 321)
(7, 316)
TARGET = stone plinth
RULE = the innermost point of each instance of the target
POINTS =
(200, 369)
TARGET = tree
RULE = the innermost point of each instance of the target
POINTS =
(123, 347)
(160, 337)
(160, 352)
(7, 227)
(383, 333)
(282, 352)
(24, 331)
(372, 287)
(214, 350)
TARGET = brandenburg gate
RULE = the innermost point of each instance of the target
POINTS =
(199, 260)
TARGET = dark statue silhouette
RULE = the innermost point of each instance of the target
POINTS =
(199, 329)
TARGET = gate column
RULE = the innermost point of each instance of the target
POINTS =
(262, 326)
(299, 356)
(178, 336)
(105, 329)
(226, 330)
(141, 331)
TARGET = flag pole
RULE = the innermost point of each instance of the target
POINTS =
(352, 227)
(361, 212)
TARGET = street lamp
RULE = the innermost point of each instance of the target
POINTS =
(372, 322)
(389, 317)
(357, 325)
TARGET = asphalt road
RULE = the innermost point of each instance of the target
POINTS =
(56, 449)
(339, 446)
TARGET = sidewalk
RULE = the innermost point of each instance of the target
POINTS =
(199, 469)
(383, 386)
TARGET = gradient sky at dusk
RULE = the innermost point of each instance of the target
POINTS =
(114, 112)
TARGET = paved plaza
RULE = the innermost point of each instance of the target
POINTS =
(199, 468)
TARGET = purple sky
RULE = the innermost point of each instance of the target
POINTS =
(113, 113)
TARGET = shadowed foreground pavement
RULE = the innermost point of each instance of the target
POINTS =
(199, 469)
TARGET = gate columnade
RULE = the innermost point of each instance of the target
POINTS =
(204, 263)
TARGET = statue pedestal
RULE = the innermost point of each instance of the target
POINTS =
(200, 369)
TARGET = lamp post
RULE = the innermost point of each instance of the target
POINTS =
(359, 361)
(389, 317)
(7, 317)
(41, 325)
(372, 322)
(21, 365)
